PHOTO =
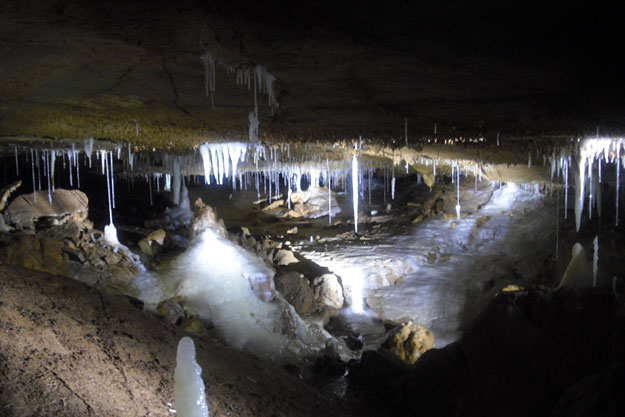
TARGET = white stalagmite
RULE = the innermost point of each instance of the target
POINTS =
(595, 260)
(355, 191)
(189, 388)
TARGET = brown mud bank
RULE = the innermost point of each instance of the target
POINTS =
(67, 349)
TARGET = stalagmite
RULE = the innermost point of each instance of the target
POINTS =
(189, 388)
(355, 191)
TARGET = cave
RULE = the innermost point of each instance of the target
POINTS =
(238, 208)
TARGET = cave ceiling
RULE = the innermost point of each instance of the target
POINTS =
(131, 71)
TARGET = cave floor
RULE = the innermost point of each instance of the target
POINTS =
(67, 349)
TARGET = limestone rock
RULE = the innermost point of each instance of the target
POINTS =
(579, 271)
(25, 213)
(153, 243)
(171, 310)
(39, 253)
(204, 218)
(409, 341)
(328, 291)
(276, 204)
(194, 325)
(312, 203)
(292, 231)
(511, 288)
(285, 257)
(295, 289)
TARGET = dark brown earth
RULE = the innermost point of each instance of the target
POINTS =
(69, 350)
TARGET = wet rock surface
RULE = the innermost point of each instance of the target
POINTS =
(539, 344)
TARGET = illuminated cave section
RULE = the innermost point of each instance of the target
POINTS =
(216, 276)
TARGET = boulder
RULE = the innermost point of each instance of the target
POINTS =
(294, 287)
(171, 310)
(26, 212)
(285, 257)
(153, 243)
(328, 291)
(409, 341)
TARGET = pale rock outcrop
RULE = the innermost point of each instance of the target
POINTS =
(409, 341)
(285, 257)
(204, 217)
(579, 271)
(153, 243)
(25, 213)
(328, 291)
(171, 310)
